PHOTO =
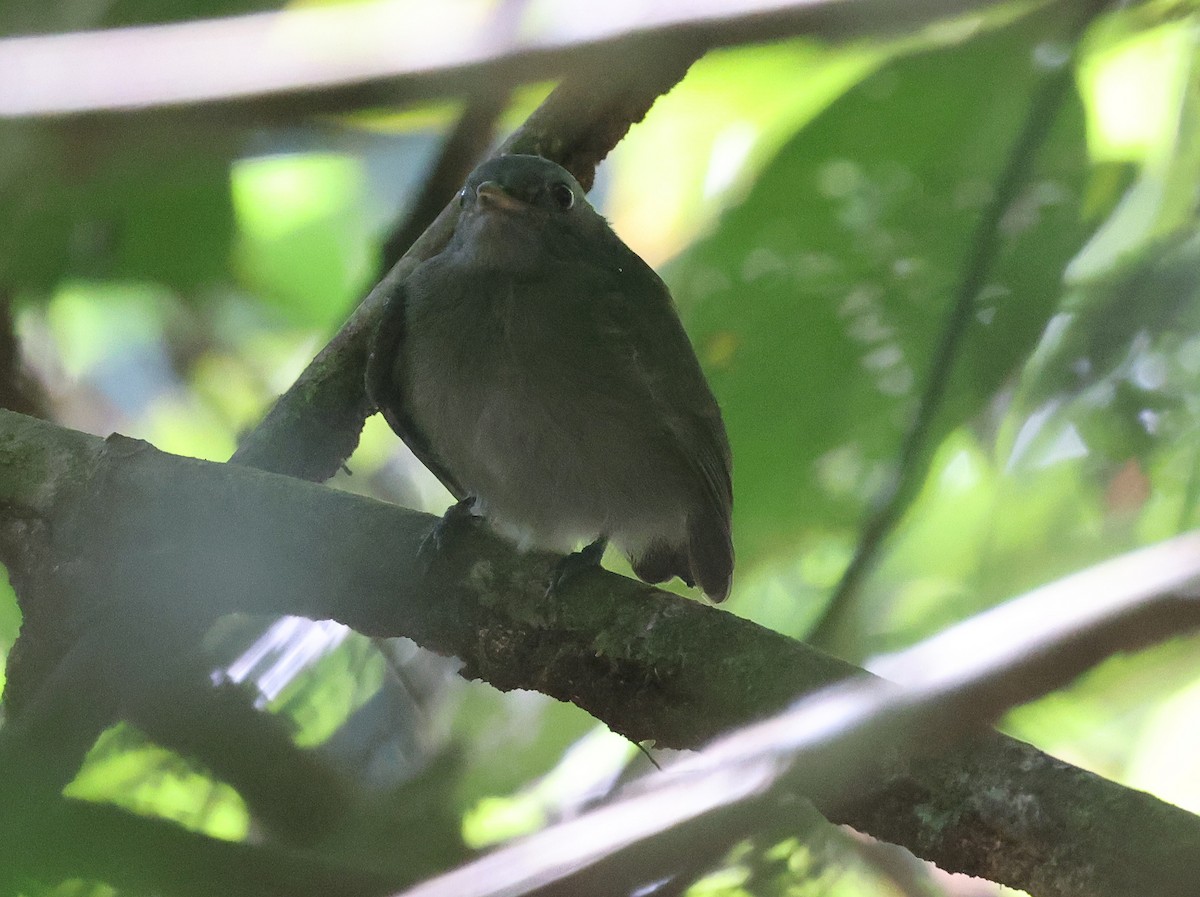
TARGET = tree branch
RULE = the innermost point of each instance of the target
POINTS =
(218, 538)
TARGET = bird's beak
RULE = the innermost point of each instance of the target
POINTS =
(492, 194)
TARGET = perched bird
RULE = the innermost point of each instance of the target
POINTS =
(537, 366)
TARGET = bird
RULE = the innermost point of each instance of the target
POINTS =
(538, 367)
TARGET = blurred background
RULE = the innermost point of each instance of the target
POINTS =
(818, 210)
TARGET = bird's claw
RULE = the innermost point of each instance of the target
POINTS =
(587, 558)
(459, 514)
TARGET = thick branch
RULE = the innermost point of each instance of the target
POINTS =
(300, 62)
(217, 538)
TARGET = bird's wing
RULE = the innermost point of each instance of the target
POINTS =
(642, 314)
(642, 317)
(385, 387)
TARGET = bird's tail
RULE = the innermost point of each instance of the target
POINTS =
(706, 560)
(660, 562)
(710, 555)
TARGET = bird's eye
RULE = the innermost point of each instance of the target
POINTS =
(563, 196)
(462, 197)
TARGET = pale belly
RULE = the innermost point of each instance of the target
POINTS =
(552, 473)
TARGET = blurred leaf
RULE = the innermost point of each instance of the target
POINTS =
(10, 613)
(95, 204)
(718, 128)
(1165, 761)
(1135, 86)
(1116, 374)
(92, 322)
(818, 301)
(1155, 127)
(10, 623)
(512, 739)
(975, 536)
(181, 425)
(303, 236)
(122, 768)
(588, 770)
(1101, 722)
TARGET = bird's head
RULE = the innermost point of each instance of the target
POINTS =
(521, 185)
(517, 208)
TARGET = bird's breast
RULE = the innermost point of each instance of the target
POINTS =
(530, 412)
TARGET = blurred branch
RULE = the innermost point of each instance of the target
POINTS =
(218, 538)
(326, 59)
(840, 745)
(915, 449)
(144, 668)
(289, 789)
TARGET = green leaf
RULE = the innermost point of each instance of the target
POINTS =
(303, 240)
(819, 300)
(153, 207)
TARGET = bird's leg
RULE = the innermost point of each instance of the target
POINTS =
(587, 558)
(459, 514)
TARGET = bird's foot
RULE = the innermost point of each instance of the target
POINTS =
(457, 516)
(587, 558)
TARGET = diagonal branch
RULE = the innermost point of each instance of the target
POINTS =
(219, 538)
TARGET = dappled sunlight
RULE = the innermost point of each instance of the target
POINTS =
(289, 646)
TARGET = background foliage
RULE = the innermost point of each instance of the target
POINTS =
(815, 210)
